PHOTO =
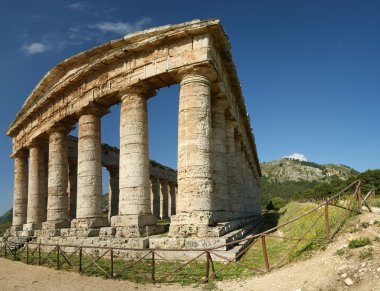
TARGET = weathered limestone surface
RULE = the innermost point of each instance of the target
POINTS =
(20, 195)
(218, 167)
(220, 199)
(113, 192)
(57, 206)
(73, 178)
(164, 200)
(155, 197)
(134, 195)
(195, 180)
(89, 195)
(37, 192)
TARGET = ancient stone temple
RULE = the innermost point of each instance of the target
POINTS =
(58, 178)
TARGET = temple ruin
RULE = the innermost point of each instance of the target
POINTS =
(58, 178)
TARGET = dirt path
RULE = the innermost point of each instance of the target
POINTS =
(19, 276)
(324, 271)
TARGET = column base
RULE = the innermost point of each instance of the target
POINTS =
(194, 224)
(13, 230)
(136, 225)
(55, 224)
(87, 223)
(32, 226)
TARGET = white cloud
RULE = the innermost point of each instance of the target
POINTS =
(35, 48)
(297, 156)
(120, 27)
(77, 5)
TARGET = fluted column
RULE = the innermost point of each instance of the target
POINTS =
(220, 200)
(113, 192)
(239, 176)
(57, 210)
(20, 190)
(36, 210)
(231, 168)
(73, 178)
(195, 181)
(155, 197)
(164, 195)
(89, 191)
(134, 199)
(172, 199)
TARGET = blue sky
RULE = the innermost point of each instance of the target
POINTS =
(310, 70)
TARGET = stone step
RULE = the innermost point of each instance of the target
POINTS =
(159, 242)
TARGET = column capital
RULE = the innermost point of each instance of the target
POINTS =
(62, 127)
(142, 90)
(93, 109)
(22, 154)
(219, 102)
(36, 142)
(231, 123)
(191, 74)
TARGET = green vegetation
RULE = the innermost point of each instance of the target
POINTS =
(315, 190)
(340, 252)
(4, 226)
(279, 249)
(366, 254)
(359, 242)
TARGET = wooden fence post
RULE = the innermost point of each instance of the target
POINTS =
(111, 263)
(80, 260)
(27, 253)
(57, 249)
(359, 195)
(327, 225)
(207, 267)
(153, 267)
(265, 253)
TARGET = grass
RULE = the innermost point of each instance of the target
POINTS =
(366, 254)
(359, 242)
(280, 251)
(375, 202)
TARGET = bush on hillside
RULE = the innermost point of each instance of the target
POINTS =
(276, 203)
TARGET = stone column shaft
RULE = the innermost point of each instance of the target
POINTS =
(239, 172)
(231, 167)
(172, 199)
(134, 201)
(36, 212)
(73, 178)
(113, 192)
(164, 197)
(20, 190)
(219, 157)
(155, 197)
(57, 210)
(195, 180)
(89, 191)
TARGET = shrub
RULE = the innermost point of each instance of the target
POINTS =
(359, 242)
(340, 252)
(366, 254)
(276, 203)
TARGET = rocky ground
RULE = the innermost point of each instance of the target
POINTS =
(336, 268)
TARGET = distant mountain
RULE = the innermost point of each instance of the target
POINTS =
(286, 169)
(7, 216)
(292, 179)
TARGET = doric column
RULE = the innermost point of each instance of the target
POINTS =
(57, 210)
(134, 199)
(164, 195)
(36, 212)
(251, 195)
(20, 190)
(89, 191)
(239, 201)
(231, 167)
(113, 192)
(172, 199)
(155, 197)
(195, 181)
(73, 179)
(220, 200)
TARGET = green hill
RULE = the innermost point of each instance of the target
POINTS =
(299, 180)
